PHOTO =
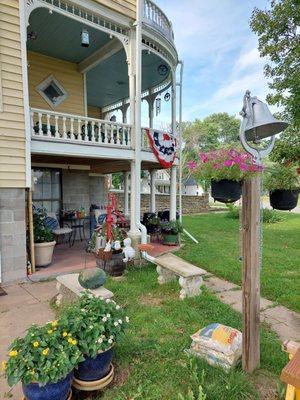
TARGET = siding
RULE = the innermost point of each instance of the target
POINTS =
(40, 67)
(12, 125)
(125, 7)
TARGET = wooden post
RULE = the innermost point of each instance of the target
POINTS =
(30, 226)
(251, 273)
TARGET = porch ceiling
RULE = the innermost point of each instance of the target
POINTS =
(106, 166)
(58, 36)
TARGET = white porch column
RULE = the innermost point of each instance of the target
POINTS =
(173, 193)
(173, 185)
(152, 191)
(126, 193)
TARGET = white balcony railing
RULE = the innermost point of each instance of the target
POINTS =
(57, 126)
(156, 18)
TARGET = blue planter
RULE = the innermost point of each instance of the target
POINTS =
(51, 391)
(93, 369)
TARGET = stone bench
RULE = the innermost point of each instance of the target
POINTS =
(69, 289)
(170, 266)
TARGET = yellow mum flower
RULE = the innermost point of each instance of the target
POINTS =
(65, 334)
(50, 331)
(70, 340)
(36, 344)
(45, 352)
(54, 323)
(74, 341)
(3, 365)
(69, 334)
(13, 353)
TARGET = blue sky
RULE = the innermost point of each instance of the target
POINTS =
(220, 55)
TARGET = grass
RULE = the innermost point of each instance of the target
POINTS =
(150, 359)
(218, 252)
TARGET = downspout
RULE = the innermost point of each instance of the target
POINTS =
(180, 139)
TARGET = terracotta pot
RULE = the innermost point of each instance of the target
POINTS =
(43, 253)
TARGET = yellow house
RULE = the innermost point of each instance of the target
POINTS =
(73, 74)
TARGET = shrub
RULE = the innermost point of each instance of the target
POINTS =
(224, 164)
(269, 216)
(42, 233)
(44, 355)
(281, 177)
(95, 323)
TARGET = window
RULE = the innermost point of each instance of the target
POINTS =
(47, 189)
(52, 91)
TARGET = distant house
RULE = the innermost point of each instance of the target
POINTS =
(191, 188)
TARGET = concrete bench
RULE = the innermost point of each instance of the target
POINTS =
(170, 266)
(69, 289)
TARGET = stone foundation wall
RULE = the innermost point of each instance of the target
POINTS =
(12, 234)
(190, 204)
(81, 190)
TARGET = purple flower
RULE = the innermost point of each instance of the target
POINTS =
(228, 163)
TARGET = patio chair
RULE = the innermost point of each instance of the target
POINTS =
(52, 222)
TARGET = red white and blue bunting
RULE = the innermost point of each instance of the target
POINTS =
(163, 146)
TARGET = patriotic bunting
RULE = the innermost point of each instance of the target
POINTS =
(163, 146)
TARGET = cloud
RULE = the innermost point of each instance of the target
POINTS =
(249, 59)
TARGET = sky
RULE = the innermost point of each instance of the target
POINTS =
(220, 55)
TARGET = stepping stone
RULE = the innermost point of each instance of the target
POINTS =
(69, 289)
(219, 285)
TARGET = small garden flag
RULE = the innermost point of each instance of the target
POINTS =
(163, 146)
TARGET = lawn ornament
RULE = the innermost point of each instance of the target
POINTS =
(117, 245)
(107, 247)
(128, 251)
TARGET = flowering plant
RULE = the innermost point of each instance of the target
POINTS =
(281, 177)
(95, 323)
(171, 227)
(224, 163)
(44, 355)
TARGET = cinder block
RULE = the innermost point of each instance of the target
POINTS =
(6, 215)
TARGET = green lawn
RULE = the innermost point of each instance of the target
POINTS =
(218, 252)
(150, 360)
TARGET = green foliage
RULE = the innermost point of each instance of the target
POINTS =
(281, 177)
(269, 216)
(279, 40)
(44, 355)
(42, 233)
(196, 380)
(117, 179)
(287, 147)
(171, 227)
(95, 323)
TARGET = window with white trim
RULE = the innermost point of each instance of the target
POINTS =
(52, 91)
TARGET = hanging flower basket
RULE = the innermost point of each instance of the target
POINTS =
(226, 191)
(226, 169)
(285, 200)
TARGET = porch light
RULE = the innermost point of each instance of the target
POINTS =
(85, 38)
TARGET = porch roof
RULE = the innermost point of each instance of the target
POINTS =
(58, 36)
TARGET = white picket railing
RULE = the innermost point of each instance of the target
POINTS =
(156, 18)
(80, 129)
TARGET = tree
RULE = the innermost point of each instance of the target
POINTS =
(279, 40)
(287, 147)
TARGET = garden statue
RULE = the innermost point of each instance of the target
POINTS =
(128, 250)
(117, 245)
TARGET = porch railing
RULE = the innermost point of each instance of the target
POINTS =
(156, 18)
(75, 128)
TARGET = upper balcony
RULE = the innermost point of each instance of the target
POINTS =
(157, 19)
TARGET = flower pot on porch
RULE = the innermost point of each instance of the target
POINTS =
(226, 191)
(51, 391)
(170, 239)
(43, 253)
(93, 369)
(284, 199)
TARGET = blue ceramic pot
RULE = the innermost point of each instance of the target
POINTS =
(93, 369)
(51, 391)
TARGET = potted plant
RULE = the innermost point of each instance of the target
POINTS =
(43, 239)
(170, 231)
(43, 361)
(226, 168)
(96, 324)
(282, 182)
(153, 225)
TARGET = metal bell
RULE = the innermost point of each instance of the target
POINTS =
(261, 123)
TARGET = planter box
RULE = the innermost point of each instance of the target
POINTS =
(170, 239)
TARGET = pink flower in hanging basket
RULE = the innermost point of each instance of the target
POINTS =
(192, 165)
(203, 157)
(228, 163)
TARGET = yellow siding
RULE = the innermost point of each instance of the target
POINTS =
(125, 7)
(12, 125)
(40, 67)
(94, 112)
